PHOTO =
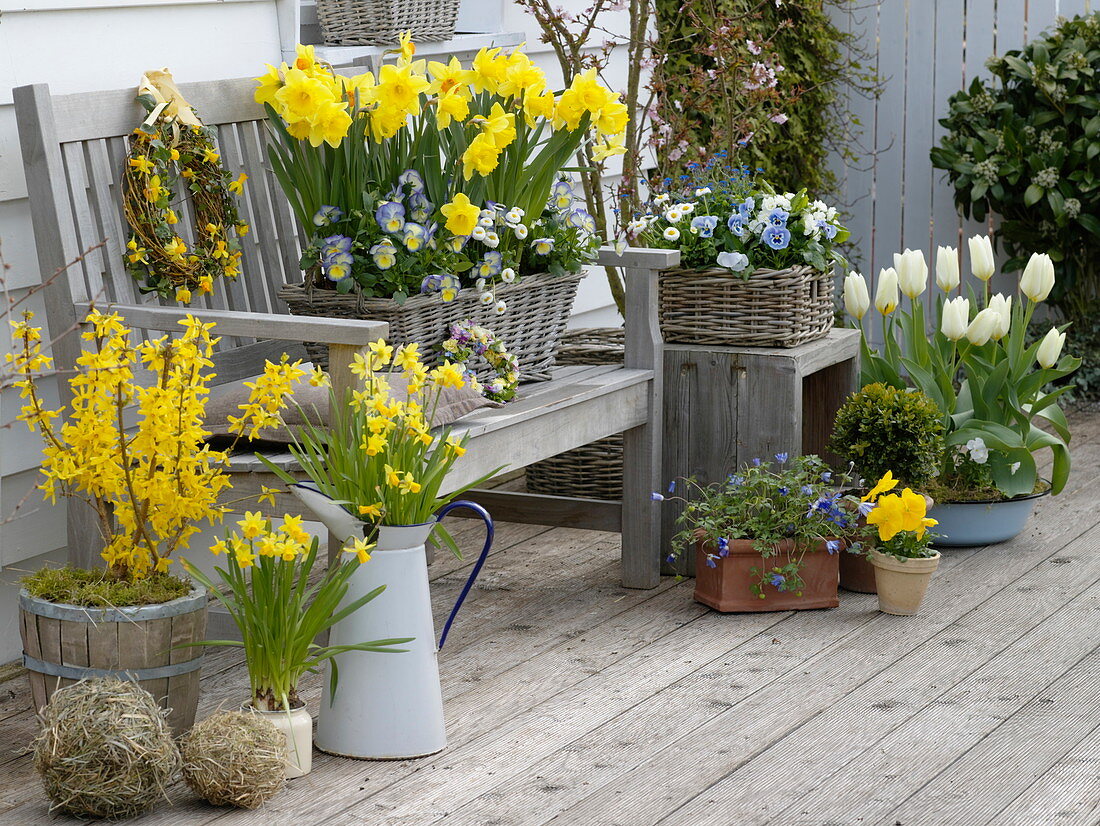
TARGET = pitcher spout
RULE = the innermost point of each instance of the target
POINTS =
(342, 524)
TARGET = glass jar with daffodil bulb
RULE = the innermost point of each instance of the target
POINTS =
(971, 357)
(131, 447)
(437, 182)
(378, 468)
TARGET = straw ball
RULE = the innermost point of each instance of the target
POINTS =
(105, 749)
(234, 758)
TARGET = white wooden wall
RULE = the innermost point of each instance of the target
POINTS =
(925, 51)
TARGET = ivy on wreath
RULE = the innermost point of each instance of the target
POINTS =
(169, 145)
(469, 341)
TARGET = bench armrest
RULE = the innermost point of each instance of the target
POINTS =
(272, 326)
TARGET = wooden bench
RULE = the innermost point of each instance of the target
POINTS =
(73, 152)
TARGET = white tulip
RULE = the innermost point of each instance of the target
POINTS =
(1038, 278)
(981, 257)
(1050, 348)
(856, 298)
(1003, 308)
(947, 268)
(983, 326)
(955, 318)
(912, 272)
(886, 293)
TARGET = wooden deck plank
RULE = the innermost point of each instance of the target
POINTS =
(1067, 794)
(571, 698)
(671, 777)
(921, 713)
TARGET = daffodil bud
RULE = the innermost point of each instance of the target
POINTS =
(955, 318)
(947, 268)
(1038, 278)
(886, 293)
(1003, 307)
(912, 272)
(983, 326)
(856, 298)
(1050, 348)
(981, 257)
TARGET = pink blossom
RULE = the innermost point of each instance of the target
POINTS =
(753, 47)
(779, 118)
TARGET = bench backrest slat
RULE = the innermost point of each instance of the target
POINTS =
(75, 151)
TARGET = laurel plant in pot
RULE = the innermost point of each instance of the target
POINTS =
(879, 430)
(767, 538)
(996, 393)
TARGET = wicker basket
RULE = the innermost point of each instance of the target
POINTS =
(595, 470)
(380, 22)
(538, 309)
(773, 308)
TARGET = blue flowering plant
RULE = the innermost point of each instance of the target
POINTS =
(407, 245)
(733, 219)
(786, 508)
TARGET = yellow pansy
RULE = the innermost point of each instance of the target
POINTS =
(886, 483)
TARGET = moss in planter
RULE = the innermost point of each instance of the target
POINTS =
(96, 588)
(945, 494)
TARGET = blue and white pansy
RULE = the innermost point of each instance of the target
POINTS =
(718, 216)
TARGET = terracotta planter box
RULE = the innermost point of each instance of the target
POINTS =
(728, 586)
(857, 574)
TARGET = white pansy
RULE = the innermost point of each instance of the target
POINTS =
(735, 261)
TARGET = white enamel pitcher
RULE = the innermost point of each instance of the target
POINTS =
(387, 706)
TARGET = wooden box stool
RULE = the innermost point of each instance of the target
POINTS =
(724, 406)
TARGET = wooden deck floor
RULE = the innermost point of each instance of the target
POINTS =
(573, 701)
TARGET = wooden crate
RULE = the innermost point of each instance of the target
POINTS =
(724, 406)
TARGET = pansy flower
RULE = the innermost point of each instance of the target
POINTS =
(384, 254)
(704, 225)
(327, 215)
(778, 238)
(414, 236)
(390, 216)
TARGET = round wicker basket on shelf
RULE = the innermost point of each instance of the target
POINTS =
(771, 308)
(381, 22)
(538, 310)
(595, 470)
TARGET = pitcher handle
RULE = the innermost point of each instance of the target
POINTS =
(489, 531)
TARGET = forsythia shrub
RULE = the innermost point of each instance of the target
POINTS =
(152, 484)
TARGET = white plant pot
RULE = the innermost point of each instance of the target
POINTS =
(297, 727)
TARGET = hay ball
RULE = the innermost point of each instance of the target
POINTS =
(234, 758)
(105, 749)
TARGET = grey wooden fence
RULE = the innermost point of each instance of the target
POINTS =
(924, 51)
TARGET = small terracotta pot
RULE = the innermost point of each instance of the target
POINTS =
(901, 583)
(727, 587)
(857, 574)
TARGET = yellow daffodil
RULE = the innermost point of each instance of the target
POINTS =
(141, 164)
(481, 156)
(448, 375)
(210, 156)
(267, 495)
(374, 444)
(489, 70)
(252, 525)
(237, 186)
(393, 477)
(329, 124)
(361, 549)
(461, 215)
(372, 511)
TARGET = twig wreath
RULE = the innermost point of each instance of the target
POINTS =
(469, 341)
(170, 144)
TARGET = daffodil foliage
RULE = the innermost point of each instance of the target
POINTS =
(280, 609)
(377, 455)
(992, 388)
(428, 156)
(153, 484)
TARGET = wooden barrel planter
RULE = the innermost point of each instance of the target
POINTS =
(63, 644)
